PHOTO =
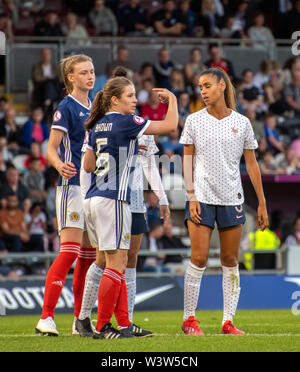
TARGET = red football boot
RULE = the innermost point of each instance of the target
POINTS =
(229, 329)
(190, 327)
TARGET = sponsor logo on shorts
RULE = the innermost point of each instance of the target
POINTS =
(74, 216)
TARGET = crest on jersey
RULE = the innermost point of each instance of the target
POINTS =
(57, 116)
(138, 120)
(74, 216)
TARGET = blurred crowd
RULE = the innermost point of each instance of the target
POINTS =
(201, 18)
(269, 97)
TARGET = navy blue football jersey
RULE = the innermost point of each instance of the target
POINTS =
(70, 117)
(114, 142)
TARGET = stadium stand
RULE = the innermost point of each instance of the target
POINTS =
(281, 80)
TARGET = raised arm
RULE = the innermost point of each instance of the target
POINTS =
(170, 122)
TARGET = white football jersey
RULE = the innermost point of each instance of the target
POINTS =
(137, 204)
(219, 146)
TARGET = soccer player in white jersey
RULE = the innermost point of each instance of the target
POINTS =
(66, 136)
(214, 139)
(113, 128)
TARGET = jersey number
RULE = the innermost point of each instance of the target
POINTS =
(102, 162)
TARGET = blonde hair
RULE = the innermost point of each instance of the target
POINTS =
(229, 93)
(67, 67)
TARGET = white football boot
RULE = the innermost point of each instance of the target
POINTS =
(46, 327)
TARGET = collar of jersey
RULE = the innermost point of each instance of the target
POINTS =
(86, 107)
(226, 117)
(112, 112)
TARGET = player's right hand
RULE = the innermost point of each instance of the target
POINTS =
(164, 95)
(195, 211)
(67, 170)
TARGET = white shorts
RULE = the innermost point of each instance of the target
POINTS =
(108, 223)
(69, 207)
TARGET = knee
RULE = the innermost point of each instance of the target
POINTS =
(199, 260)
(229, 260)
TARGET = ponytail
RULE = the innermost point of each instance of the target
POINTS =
(99, 109)
(229, 93)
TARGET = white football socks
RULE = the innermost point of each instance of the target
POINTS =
(231, 291)
(91, 288)
(192, 283)
(130, 279)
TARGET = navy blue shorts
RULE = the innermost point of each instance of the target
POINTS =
(223, 215)
(139, 224)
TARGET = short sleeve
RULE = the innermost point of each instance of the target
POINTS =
(136, 125)
(186, 135)
(151, 146)
(61, 119)
(250, 142)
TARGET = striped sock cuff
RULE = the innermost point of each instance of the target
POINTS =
(87, 253)
(70, 247)
(113, 274)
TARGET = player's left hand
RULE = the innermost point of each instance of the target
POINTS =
(165, 214)
(262, 217)
(142, 147)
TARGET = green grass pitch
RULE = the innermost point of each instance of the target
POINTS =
(266, 330)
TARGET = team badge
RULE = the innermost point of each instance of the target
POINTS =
(57, 116)
(127, 237)
(74, 216)
(138, 120)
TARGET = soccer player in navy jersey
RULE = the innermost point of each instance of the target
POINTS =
(145, 165)
(66, 137)
(110, 156)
